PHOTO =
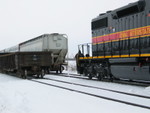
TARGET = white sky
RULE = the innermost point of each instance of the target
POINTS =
(21, 20)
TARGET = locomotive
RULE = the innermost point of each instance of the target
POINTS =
(120, 47)
(36, 56)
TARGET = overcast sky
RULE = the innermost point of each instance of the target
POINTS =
(21, 20)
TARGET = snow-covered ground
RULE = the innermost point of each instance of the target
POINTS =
(24, 96)
(108, 85)
(71, 67)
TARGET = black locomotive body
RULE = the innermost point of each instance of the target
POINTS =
(25, 63)
(120, 45)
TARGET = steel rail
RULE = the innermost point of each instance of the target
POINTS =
(94, 95)
(105, 89)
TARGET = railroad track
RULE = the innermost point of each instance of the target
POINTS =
(135, 83)
(95, 95)
(105, 89)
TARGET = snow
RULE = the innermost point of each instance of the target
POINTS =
(147, 90)
(108, 85)
(100, 92)
(24, 96)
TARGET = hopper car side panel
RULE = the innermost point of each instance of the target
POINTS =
(7, 62)
(26, 63)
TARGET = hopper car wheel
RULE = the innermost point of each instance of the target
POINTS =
(19, 74)
(48, 71)
(42, 73)
(25, 74)
(37, 76)
(61, 69)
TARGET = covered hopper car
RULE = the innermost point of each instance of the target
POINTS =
(36, 56)
(120, 45)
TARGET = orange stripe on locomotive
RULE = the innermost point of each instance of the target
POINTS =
(123, 35)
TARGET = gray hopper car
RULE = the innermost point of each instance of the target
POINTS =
(53, 46)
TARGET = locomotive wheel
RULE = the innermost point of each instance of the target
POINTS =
(111, 78)
(103, 73)
(98, 76)
(90, 76)
(85, 73)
